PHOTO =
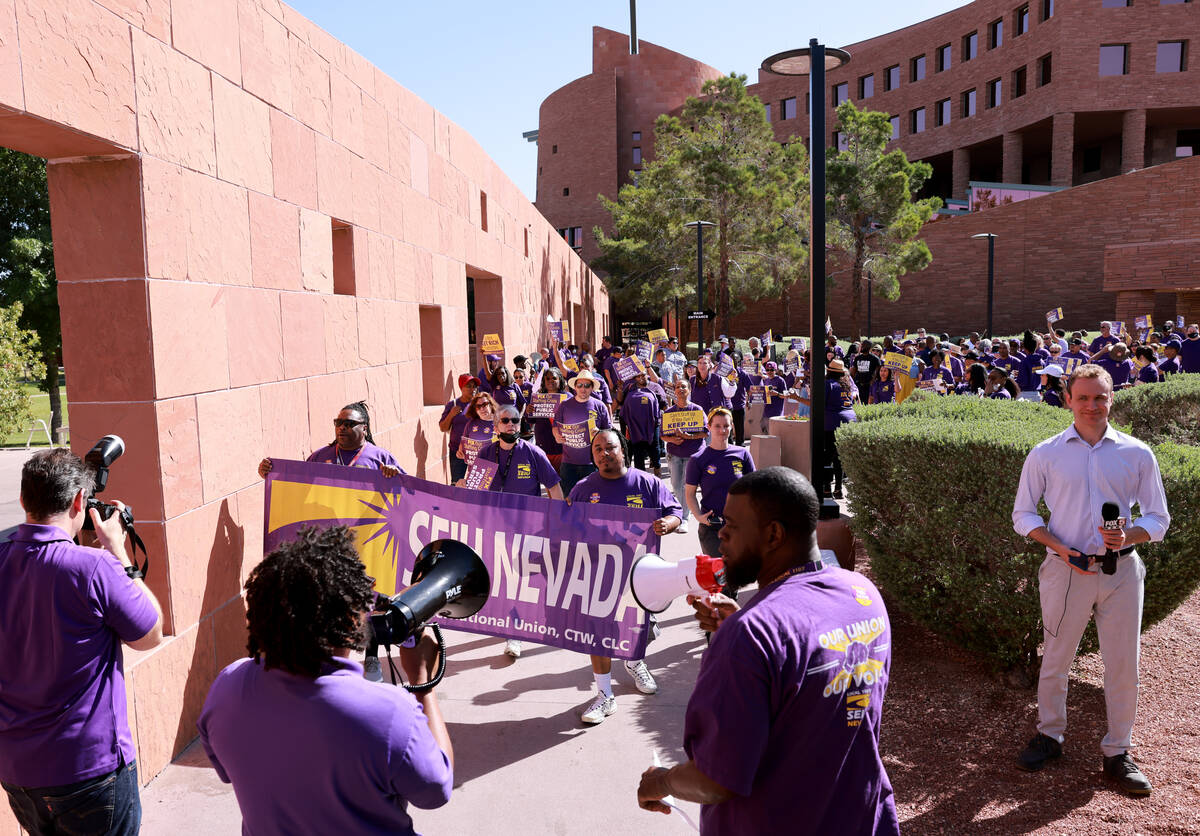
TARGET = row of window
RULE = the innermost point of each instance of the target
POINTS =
(1170, 58)
(1120, 4)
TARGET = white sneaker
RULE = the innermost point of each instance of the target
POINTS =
(683, 529)
(371, 669)
(600, 708)
(513, 648)
(642, 677)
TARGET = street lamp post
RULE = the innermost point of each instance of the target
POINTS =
(991, 239)
(813, 61)
(699, 279)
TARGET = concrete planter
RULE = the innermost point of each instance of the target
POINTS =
(794, 444)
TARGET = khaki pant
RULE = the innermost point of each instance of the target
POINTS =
(1069, 598)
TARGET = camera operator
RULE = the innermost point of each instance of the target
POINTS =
(66, 752)
(308, 744)
(783, 725)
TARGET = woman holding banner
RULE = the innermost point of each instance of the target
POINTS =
(480, 429)
(543, 429)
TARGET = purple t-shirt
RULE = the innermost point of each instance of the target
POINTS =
(335, 754)
(1148, 374)
(1169, 366)
(738, 399)
(1189, 355)
(1121, 372)
(641, 412)
(789, 696)
(457, 423)
(713, 471)
(839, 404)
(592, 412)
(1100, 342)
(480, 433)
(636, 489)
(1009, 363)
(63, 715)
(775, 407)
(690, 447)
(708, 393)
(1026, 379)
(883, 391)
(522, 470)
(510, 394)
(368, 456)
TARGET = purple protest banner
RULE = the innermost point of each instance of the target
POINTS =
(480, 474)
(556, 332)
(559, 573)
(628, 368)
(724, 367)
(543, 404)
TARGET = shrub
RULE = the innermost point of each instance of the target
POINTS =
(1157, 412)
(932, 486)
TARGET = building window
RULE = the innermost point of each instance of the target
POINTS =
(433, 355)
(573, 235)
(895, 120)
(968, 103)
(637, 136)
(566, 191)
(917, 120)
(1091, 159)
(891, 78)
(1047, 9)
(943, 112)
(841, 92)
(788, 108)
(943, 58)
(553, 149)
(343, 258)
(866, 86)
(993, 93)
(1022, 21)
(995, 33)
(970, 46)
(1172, 2)
(1114, 59)
(1018, 82)
(1187, 143)
(917, 68)
(637, 155)
(841, 141)
(1114, 4)
(483, 211)
(1044, 67)
(1172, 57)
(768, 108)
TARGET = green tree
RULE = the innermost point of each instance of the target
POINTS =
(27, 264)
(872, 215)
(19, 359)
(718, 161)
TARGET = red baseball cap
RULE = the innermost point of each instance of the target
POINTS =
(464, 379)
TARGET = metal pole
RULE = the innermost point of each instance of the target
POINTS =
(699, 286)
(869, 332)
(816, 260)
(633, 42)
(991, 280)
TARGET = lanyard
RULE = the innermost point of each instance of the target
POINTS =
(337, 454)
(811, 566)
(507, 465)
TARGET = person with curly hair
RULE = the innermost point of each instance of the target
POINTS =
(308, 744)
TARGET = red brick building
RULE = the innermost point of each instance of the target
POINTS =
(1096, 97)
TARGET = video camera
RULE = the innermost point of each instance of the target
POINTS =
(106, 451)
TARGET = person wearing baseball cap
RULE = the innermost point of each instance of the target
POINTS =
(490, 363)
(454, 418)
(1171, 364)
(1052, 385)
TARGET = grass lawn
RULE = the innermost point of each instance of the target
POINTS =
(40, 407)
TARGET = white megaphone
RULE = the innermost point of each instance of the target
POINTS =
(655, 582)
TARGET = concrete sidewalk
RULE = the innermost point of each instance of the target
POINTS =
(11, 513)
(524, 762)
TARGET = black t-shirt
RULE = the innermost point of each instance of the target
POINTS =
(865, 365)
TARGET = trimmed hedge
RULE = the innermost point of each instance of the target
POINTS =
(1158, 412)
(932, 483)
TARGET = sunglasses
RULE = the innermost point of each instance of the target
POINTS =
(508, 421)
(347, 423)
(584, 385)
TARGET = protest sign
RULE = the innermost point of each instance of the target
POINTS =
(724, 366)
(1069, 364)
(897, 362)
(556, 332)
(491, 344)
(1054, 315)
(480, 475)
(1143, 322)
(472, 446)
(756, 394)
(658, 336)
(627, 368)
(544, 404)
(567, 359)
(576, 435)
(897, 336)
(559, 574)
(1118, 328)
(1179, 321)
(799, 344)
(766, 340)
(687, 420)
(750, 365)
(643, 349)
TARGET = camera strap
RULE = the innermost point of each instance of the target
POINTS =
(135, 539)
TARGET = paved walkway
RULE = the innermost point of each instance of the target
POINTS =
(11, 513)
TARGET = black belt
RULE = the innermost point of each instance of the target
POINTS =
(1107, 561)
(1121, 553)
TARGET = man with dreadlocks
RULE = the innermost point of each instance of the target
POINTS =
(308, 744)
(353, 446)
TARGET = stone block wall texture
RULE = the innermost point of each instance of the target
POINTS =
(253, 226)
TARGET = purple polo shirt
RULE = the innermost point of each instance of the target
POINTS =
(368, 456)
(64, 612)
(1189, 355)
(572, 411)
(713, 471)
(790, 696)
(1010, 363)
(636, 489)
(640, 412)
(524, 469)
(457, 423)
(1121, 372)
(690, 447)
(1075, 355)
(335, 754)
(708, 394)
(1100, 342)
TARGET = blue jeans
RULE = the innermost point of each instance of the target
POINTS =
(573, 473)
(105, 806)
(678, 466)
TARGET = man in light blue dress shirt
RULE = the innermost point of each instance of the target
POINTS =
(1076, 472)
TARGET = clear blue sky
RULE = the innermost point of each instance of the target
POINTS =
(489, 65)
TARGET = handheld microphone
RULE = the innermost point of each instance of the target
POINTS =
(1113, 521)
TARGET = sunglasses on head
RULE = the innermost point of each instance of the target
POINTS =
(508, 420)
(348, 423)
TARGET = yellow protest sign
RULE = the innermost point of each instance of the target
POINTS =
(491, 344)
(687, 420)
(657, 336)
(897, 362)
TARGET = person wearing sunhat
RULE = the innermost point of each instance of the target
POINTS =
(1052, 386)
(586, 409)
(840, 396)
(1114, 359)
(454, 419)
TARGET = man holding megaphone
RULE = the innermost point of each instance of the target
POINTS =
(783, 725)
